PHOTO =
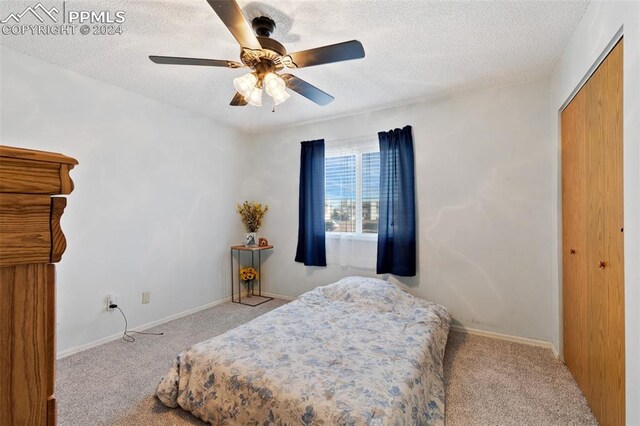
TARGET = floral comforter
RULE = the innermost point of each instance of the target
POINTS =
(359, 351)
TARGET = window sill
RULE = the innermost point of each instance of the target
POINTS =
(354, 236)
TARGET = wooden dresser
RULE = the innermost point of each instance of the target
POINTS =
(30, 242)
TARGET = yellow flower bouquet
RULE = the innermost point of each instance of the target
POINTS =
(248, 274)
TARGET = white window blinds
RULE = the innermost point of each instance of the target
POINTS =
(352, 180)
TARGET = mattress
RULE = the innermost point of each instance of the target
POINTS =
(359, 351)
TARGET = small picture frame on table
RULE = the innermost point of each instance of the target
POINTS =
(250, 239)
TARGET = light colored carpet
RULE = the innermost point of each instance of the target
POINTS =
(494, 382)
(488, 382)
(108, 383)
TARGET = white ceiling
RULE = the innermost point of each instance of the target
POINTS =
(414, 49)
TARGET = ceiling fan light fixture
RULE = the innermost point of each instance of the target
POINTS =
(266, 56)
(276, 88)
(255, 97)
(246, 84)
(273, 82)
(280, 97)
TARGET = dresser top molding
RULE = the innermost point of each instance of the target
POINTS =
(35, 155)
(29, 216)
(28, 171)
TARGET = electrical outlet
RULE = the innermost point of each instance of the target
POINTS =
(111, 300)
(146, 297)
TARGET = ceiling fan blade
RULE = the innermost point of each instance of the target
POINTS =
(238, 100)
(307, 90)
(172, 60)
(231, 15)
(324, 55)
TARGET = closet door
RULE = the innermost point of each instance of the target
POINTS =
(593, 263)
(608, 295)
(574, 236)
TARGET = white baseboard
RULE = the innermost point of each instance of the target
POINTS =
(115, 336)
(556, 353)
(142, 327)
(508, 337)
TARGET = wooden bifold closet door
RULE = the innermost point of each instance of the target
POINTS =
(592, 224)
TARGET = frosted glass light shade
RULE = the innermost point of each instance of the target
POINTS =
(273, 83)
(245, 84)
(276, 88)
(255, 97)
(280, 97)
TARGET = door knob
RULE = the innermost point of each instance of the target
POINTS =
(602, 265)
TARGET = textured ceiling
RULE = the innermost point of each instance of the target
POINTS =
(414, 49)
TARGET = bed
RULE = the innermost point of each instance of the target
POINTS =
(359, 351)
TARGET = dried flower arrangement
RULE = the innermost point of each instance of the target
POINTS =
(251, 214)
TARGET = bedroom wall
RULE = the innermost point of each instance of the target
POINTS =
(484, 188)
(598, 30)
(153, 205)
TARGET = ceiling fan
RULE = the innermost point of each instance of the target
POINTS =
(267, 57)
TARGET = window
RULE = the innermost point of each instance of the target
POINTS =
(370, 192)
(352, 180)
